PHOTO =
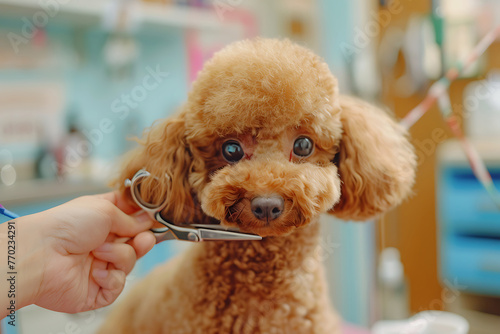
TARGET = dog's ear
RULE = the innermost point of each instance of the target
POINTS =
(376, 161)
(164, 153)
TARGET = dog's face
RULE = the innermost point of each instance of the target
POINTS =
(276, 131)
(269, 183)
(266, 143)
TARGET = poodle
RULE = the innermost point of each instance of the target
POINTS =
(265, 143)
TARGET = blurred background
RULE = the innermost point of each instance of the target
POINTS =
(79, 78)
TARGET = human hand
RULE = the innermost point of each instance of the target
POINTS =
(77, 255)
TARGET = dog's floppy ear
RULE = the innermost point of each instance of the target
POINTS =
(376, 161)
(164, 153)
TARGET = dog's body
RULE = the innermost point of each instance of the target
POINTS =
(273, 286)
(265, 143)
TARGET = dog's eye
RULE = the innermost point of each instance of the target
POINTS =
(232, 151)
(303, 146)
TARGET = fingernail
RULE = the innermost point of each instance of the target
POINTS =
(105, 247)
(143, 218)
(100, 273)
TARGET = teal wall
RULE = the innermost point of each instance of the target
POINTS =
(90, 89)
(351, 269)
(336, 28)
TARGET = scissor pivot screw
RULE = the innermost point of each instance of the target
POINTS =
(192, 236)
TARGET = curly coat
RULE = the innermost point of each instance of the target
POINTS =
(264, 93)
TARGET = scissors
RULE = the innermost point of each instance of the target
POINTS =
(191, 232)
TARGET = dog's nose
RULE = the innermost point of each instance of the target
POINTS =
(267, 208)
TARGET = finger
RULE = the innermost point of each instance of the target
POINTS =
(111, 282)
(99, 264)
(130, 226)
(121, 255)
(115, 238)
(143, 243)
(125, 225)
(120, 201)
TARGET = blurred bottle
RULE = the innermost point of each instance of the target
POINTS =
(74, 151)
(457, 32)
(392, 286)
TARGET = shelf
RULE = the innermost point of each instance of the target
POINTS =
(42, 190)
(93, 12)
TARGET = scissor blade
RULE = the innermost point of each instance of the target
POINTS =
(220, 235)
(216, 227)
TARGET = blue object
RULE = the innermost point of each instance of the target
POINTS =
(469, 226)
(7, 213)
(6, 328)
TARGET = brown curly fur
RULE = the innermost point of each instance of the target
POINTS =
(264, 93)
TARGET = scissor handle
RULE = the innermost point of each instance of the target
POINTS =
(133, 184)
(163, 235)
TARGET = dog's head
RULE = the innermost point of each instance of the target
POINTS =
(265, 142)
